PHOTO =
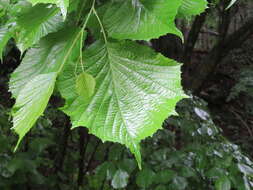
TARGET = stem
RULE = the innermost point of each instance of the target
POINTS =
(82, 33)
(63, 146)
(100, 23)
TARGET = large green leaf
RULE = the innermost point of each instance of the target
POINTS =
(36, 23)
(48, 56)
(141, 19)
(31, 102)
(63, 4)
(136, 89)
(192, 7)
(32, 83)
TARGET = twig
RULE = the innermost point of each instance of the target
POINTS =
(83, 143)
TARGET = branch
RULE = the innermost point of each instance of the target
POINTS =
(83, 143)
(210, 62)
(193, 36)
(63, 146)
(91, 158)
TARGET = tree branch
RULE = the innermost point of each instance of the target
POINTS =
(83, 143)
(193, 36)
(210, 62)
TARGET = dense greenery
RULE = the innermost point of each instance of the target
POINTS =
(203, 160)
(90, 63)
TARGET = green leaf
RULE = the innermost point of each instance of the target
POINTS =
(31, 103)
(192, 8)
(5, 35)
(161, 187)
(62, 4)
(36, 23)
(164, 176)
(85, 85)
(136, 89)
(32, 82)
(120, 179)
(223, 183)
(49, 55)
(179, 183)
(232, 2)
(145, 178)
(141, 19)
(187, 172)
(127, 164)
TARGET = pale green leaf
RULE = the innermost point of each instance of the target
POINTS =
(48, 56)
(136, 89)
(62, 4)
(223, 183)
(120, 179)
(33, 81)
(36, 23)
(232, 2)
(5, 35)
(141, 19)
(85, 85)
(192, 8)
(31, 102)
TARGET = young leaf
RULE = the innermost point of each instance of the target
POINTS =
(136, 89)
(62, 4)
(85, 85)
(36, 23)
(191, 8)
(31, 103)
(141, 19)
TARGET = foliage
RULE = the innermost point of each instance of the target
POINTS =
(243, 85)
(51, 36)
(190, 153)
(90, 53)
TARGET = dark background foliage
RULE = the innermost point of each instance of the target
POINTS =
(208, 146)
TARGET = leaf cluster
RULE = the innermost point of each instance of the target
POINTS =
(120, 90)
